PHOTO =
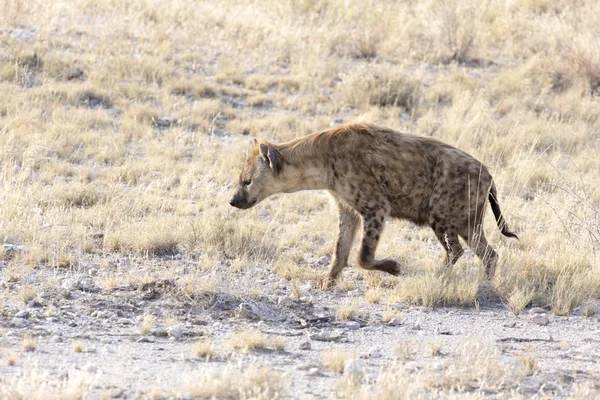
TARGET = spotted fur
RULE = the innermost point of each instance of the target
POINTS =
(375, 173)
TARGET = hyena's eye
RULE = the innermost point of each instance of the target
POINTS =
(247, 182)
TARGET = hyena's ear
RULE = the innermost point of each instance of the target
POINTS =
(270, 156)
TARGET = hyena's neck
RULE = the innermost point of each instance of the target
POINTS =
(303, 169)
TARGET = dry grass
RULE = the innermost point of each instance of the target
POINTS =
(248, 340)
(78, 346)
(148, 322)
(203, 349)
(335, 359)
(348, 310)
(29, 343)
(253, 382)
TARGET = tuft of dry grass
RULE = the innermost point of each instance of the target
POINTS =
(203, 349)
(28, 293)
(29, 343)
(236, 383)
(11, 359)
(529, 361)
(78, 346)
(335, 359)
(148, 322)
(248, 340)
(589, 308)
(518, 300)
(348, 310)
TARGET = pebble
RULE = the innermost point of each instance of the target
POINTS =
(305, 345)
(354, 293)
(19, 322)
(326, 336)
(175, 331)
(397, 322)
(540, 319)
(12, 249)
(34, 304)
(313, 371)
(323, 261)
(354, 369)
(352, 325)
(374, 352)
(89, 368)
(159, 332)
(57, 339)
(416, 327)
(22, 314)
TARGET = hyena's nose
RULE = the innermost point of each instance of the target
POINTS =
(233, 202)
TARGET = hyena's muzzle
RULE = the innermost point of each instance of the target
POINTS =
(240, 200)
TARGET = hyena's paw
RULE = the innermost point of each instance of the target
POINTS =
(389, 265)
(325, 282)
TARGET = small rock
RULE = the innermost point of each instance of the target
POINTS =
(352, 325)
(34, 304)
(398, 322)
(248, 311)
(305, 345)
(159, 332)
(313, 371)
(326, 336)
(510, 324)
(285, 301)
(416, 327)
(175, 331)
(52, 319)
(19, 322)
(57, 339)
(405, 116)
(354, 369)
(71, 284)
(323, 261)
(89, 368)
(22, 314)
(537, 310)
(374, 352)
(354, 293)
(10, 250)
(540, 319)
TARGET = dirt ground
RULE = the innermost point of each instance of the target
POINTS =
(488, 350)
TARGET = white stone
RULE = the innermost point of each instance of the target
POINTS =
(354, 369)
(175, 331)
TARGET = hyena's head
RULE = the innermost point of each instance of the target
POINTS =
(259, 178)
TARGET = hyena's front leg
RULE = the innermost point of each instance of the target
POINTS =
(372, 229)
(349, 221)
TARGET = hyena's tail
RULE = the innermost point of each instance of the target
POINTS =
(498, 214)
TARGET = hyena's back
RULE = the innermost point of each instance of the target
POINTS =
(420, 179)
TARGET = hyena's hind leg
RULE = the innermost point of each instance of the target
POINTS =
(448, 237)
(372, 229)
(348, 224)
(478, 243)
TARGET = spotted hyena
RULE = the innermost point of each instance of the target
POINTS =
(374, 173)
